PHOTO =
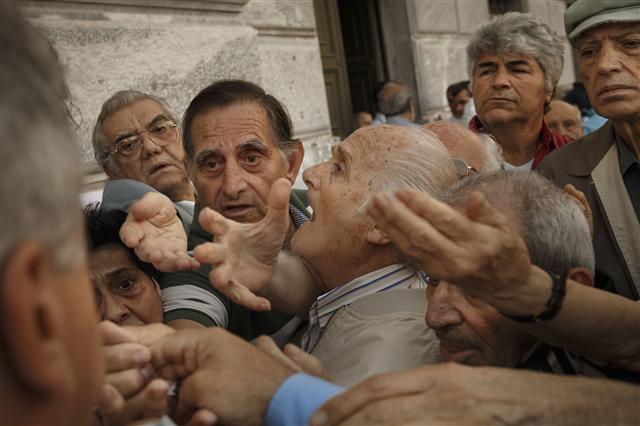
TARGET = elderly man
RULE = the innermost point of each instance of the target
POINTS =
(238, 141)
(556, 233)
(355, 263)
(565, 119)
(137, 142)
(396, 103)
(461, 394)
(126, 289)
(514, 63)
(605, 164)
(51, 365)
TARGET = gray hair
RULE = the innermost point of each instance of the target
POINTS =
(493, 154)
(519, 33)
(120, 100)
(394, 102)
(39, 158)
(549, 221)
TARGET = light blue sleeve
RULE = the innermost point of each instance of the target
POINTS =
(297, 399)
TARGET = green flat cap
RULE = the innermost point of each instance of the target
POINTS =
(586, 14)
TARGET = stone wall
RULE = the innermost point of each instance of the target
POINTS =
(174, 48)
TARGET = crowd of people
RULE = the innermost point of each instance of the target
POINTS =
(480, 270)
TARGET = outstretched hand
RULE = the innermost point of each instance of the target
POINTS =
(478, 251)
(243, 255)
(155, 232)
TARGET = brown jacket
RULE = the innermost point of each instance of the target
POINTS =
(574, 164)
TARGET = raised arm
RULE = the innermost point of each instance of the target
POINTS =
(249, 266)
(479, 252)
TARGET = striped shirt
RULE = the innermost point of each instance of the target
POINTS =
(396, 276)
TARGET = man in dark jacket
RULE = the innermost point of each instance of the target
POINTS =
(604, 164)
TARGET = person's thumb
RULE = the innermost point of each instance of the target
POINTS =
(278, 204)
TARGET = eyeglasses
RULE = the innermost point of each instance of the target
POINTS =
(162, 134)
(462, 167)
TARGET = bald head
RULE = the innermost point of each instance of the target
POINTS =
(461, 143)
(564, 118)
(395, 100)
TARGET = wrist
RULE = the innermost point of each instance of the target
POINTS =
(527, 298)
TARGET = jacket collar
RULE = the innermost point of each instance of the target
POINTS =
(591, 149)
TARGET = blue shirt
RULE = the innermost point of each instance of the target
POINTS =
(298, 398)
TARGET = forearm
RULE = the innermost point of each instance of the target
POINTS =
(598, 325)
(579, 400)
(294, 286)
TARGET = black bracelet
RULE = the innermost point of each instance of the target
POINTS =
(558, 291)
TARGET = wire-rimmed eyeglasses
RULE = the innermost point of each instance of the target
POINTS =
(162, 134)
(462, 167)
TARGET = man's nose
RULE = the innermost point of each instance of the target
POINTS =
(501, 79)
(609, 60)
(115, 310)
(313, 175)
(149, 147)
(441, 309)
(234, 180)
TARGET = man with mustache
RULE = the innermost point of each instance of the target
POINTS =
(514, 63)
(136, 140)
(605, 164)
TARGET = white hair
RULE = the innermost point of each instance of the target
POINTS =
(549, 221)
(519, 33)
(39, 158)
(425, 166)
(493, 154)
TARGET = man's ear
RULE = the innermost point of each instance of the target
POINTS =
(294, 161)
(581, 275)
(375, 235)
(32, 319)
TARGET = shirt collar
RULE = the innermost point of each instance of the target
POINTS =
(395, 276)
(298, 217)
(626, 156)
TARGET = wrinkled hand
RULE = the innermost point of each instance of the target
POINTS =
(451, 394)
(221, 373)
(243, 255)
(579, 196)
(155, 232)
(294, 357)
(478, 251)
(130, 393)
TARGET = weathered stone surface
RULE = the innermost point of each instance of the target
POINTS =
(436, 16)
(471, 14)
(285, 14)
(171, 61)
(440, 61)
(293, 72)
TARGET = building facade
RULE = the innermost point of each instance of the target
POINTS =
(321, 58)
